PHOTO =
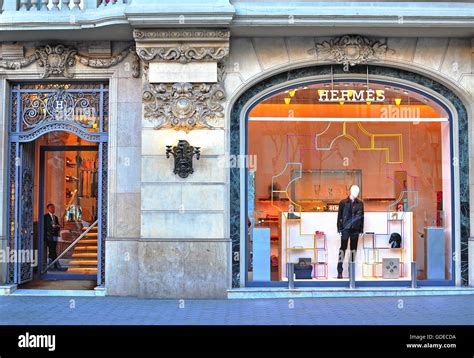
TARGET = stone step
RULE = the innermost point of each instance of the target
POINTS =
(91, 255)
(86, 242)
(82, 270)
(82, 262)
(85, 248)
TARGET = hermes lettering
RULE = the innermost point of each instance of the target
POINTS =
(351, 95)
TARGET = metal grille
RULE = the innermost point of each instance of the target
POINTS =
(11, 211)
(103, 213)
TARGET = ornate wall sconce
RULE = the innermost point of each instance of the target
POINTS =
(183, 154)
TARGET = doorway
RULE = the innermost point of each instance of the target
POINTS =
(58, 155)
(69, 185)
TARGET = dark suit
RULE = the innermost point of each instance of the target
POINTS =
(350, 223)
(49, 233)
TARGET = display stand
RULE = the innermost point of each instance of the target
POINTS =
(372, 265)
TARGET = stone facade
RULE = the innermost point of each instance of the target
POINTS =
(170, 237)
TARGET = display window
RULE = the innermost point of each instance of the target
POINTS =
(346, 171)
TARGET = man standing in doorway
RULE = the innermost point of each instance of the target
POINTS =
(350, 224)
(51, 235)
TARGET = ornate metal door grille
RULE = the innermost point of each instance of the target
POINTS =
(36, 109)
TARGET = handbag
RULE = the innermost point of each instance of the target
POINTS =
(395, 240)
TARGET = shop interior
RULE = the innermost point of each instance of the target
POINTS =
(309, 151)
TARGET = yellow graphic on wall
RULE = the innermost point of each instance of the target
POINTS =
(371, 140)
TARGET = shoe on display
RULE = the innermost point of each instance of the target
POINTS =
(339, 275)
(293, 216)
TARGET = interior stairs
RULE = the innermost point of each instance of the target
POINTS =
(83, 259)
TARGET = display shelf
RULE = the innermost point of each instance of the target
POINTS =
(372, 251)
(319, 249)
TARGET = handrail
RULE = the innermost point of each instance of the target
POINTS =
(71, 246)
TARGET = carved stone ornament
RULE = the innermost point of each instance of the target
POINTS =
(350, 50)
(182, 46)
(56, 60)
(185, 106)
(183, 53)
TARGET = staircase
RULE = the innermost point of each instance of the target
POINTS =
(84, 255)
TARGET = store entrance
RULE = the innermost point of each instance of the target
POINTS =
(58, 208)
(57, 181)
(68, 187)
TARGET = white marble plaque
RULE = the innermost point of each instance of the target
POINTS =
(194, 72)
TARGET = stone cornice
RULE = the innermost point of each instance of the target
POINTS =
(245, 18)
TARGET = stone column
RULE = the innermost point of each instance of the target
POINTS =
(183, 249)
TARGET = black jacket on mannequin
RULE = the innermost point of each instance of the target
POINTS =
(350, 215)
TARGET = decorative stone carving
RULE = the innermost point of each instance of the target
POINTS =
(182, 34)
(185, 106)
(182, 46)
(183, 53)
(350, 50)
(58, 59)
(112, 61)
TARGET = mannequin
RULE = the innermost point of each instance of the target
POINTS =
(350, 224)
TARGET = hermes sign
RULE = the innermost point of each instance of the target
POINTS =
(351, 95)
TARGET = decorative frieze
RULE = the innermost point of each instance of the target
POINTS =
(182, 46)
(57, 60)
(350, 50)
(183, 53)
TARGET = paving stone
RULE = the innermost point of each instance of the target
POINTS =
(434, 310)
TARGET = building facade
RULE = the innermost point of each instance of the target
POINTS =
(194, 148)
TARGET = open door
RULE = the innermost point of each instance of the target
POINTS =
(24, 212)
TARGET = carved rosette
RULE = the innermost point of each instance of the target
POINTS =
(183, 106)
(350, 50)
(57, 60)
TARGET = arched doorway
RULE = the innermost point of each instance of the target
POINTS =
(272, 110)
(58, 157)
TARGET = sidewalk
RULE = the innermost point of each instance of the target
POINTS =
(432, 310)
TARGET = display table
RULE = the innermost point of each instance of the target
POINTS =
(299, 241)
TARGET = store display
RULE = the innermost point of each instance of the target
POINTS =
(350, 223)
(395, 240)
(310, 168)
(435, 253)
(261, 254)
(391, 268)
(303, 269)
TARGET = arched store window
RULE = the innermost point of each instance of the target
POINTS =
(309, 143)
